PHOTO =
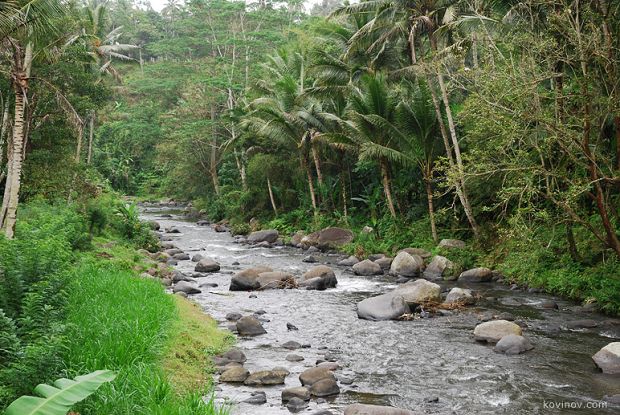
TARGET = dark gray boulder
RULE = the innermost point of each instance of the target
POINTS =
(267, 235)
(250, 326)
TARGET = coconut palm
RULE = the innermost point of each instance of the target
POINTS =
(24, 25)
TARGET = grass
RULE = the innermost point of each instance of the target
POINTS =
(158, 344)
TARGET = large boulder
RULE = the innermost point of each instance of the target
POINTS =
(275, 279)
(451, 243)
(406, 265)
(186, 287)
(319, 277)
(382, 307)
(385, 263)
(513, 344)
(439, 268)
(315, 374)
(236, 374)
(361, 409)
(207, 265)
(296, 238)
(247, 279)
(418, 292)
(348, 262)
(367, 267)
(250, 326)
(608, 358)
(460, 296)
(334, 238)
(300, 392)
(324, 387)
(476, 275)
(267, 377)
(493, 331)
(267, 235)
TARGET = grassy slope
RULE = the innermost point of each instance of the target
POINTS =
(159, 344)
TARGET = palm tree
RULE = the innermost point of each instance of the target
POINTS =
(23, 26)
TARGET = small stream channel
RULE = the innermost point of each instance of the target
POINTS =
(430, 366)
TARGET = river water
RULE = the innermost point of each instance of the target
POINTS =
(430, 366)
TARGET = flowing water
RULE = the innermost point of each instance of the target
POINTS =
(427, 365)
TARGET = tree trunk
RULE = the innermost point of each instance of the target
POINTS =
(385, 176)
(317, 163)
(78, 149)
(271, 198)
(431, 208)
(343, 185)
(457, 150)
(241, 168)
(310, 185)
(91, 136)
(3, 141)
(8, 215)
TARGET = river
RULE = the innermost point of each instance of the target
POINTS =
(428, 365)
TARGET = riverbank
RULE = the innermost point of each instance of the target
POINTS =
(73, 304)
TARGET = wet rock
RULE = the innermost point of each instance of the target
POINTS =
(608, 358)
(294, 358)
(230, 365)
(299, 392)
(324, 387)
(296, 238)
(513, 344)
(274, 280)
(246, 280)
(291, 327)
(375, 257)
(329, 365)
(234, 375)
(235, 263)
(476, 275)
(460, 296)
(451, 243)
(203, 223)
(179, 276)
(367, 268)
(422, 253)
(324, 273)
(322, 412)
(549, 305)
(406, 265)
(313, 375)
(291, 345)
(362, 409)
(382, 307)
(504, 316)
(493, 331)
(349, 262)
(219, 228)
(296, 405)
(266, 378)
(235, 355)
(419, 292)
(173, 251)
(268, 235)
(582, 324)
(250, 326)
(181, 257)
(172, 262)
(173, 230)
(198, 258)
(181, 294)
(257, 398)
(385, 263)
(310, 259)
(207, 265)
(186, 287)
(439, 268)
(208, 285)
(233, 316)
(313, 249)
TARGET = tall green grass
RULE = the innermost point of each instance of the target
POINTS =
(123, 323)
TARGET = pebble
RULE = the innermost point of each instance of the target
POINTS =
(290, 326)
(294, 358)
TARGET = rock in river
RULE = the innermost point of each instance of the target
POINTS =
(476, 275)
(247, 279)
(460, 296)
(267, 378)
(236, 374)
(319, 278)
(250, 326)
(513, 344)
(382, 307)
(608, 358)
(439, 268)
(207, 265)
(348, 262)
(313, 375)
(324, 387)
(268, 235)
(298, 392)
(406, 265)
(418, 292)
(493, 331)
(366, 268)
(361, 409)
(186, 287)
(275, 279)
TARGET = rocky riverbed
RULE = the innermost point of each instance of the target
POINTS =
(429, 362)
